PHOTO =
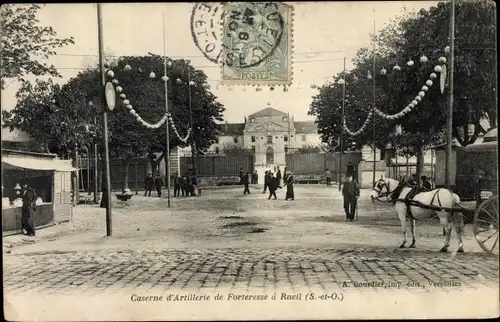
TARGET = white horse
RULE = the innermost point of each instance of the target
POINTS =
(386, 189)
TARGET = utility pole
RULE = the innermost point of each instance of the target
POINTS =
(449, 118)
(107, 192)
(193, 144)
(96, 173)
(342, 129)
(373, 113)
(167, 151)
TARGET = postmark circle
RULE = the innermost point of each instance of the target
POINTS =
(206, 26)
(251, 33)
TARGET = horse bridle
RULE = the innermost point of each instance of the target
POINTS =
(379, 192)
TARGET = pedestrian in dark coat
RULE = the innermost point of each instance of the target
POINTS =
(289, 187)
(28, 211)
(158, 184)
(184, 185)
(273, 186)
(350, 191)
(241, 175)
(177, 186)
(148, 184)
(246, 183)
(256, 177)
(267, 180)
(278, 177)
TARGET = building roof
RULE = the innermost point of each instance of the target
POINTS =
(269, 111)
(305, 127)
(231, 129)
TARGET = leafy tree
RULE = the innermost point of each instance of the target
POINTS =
(309, 148)
(24, 43)
(233, 149)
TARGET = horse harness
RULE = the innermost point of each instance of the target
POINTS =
(408, 200)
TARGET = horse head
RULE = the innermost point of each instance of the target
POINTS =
(383, 188)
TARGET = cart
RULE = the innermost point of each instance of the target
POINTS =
(486, 223)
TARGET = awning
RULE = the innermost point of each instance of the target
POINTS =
(36, 164)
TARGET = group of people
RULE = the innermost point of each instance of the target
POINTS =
(183, 185)
(272, 182)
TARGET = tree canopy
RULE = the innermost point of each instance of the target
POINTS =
(25, 44)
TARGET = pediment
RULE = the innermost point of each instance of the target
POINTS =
(267, 126)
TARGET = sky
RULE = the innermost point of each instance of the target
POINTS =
(323, 34)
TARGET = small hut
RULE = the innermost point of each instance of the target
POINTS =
(49, 176)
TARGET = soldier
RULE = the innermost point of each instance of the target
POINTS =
(267, 180)
(350, 191)
(158, 184)
(177, 185)
(148, 185)
(245, 180)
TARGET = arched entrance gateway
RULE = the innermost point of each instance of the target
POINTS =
(269, 155)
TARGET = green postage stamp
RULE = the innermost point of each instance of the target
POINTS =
(257, 43)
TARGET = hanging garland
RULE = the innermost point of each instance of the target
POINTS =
(362, 129)
(166, 117)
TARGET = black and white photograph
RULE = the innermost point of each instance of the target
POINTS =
(249, 160)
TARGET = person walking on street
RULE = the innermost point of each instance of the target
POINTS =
(148, 185)
(289, 187)
(267, 181)
(328, 176)
(158, 184)
(273, 186)
(177, 185)
(246, 183)
(350, 191)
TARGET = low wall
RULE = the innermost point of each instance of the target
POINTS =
(11, 217)
(207, 181)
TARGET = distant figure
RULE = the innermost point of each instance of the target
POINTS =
(148, 185)
(241, 175)
(413, 180)
(158, 184)
(184, 185)
(426, 184)
(273, 186)
(28, 210)
(256, 177)
(245, 180)
(267, 180)
(289, 187)
(328, 176)
(278, 177)
(193, 186)
(349, 171)
(350, 191)
(177, 185)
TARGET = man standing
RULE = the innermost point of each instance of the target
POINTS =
(267, 180)
(426, 184)
(177, 185)
(241, 175)
(28, 210)
(158, 184)
(256, 177)
(350, 191)
(278, 177)
(328, 176)
(148, 185)
(273, 186)
(245, 181)
(184, 185)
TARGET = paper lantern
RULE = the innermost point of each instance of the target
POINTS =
(110, 73)
(421, 94)
(442, 60)
(132, 111)
(407, 109)
(411, 105)
(425, 88)
(341, 82)
(127, 67)
(396, 67)
(414, 102)
(447, 50)
(433, 76)
(129, 107)
(152, 75)
(119, 89)
(410, 63)
(165, 78)
(191, 83)
(424, 59)
(123, 96)
(383, 71)
(369, 76)
(418, 98)
(115, 81)
(106, 64)
(126, 102)
(178, 80)
(437, 69)
(169, 63)
(429, 82)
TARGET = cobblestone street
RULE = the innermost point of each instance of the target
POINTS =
(227, 242)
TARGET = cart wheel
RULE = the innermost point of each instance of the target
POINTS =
(486, 225)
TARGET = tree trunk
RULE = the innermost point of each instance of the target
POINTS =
(420, 164)
(125, 173)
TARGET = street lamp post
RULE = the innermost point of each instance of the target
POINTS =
(193, 143)
(374, 104)
(449, 119)
(342, 82)
(167, 151)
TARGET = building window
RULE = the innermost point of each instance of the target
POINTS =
(269, 139)
(252, 120)
(253, 139)
(285, 138)
(217, 150)
(235, 139)
(253, 149)
(303, 138)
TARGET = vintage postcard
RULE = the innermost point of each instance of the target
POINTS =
(249, 160)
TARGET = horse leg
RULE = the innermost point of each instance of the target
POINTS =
(458, 222)
(445, 221)
(412, 223)
(402, 219)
